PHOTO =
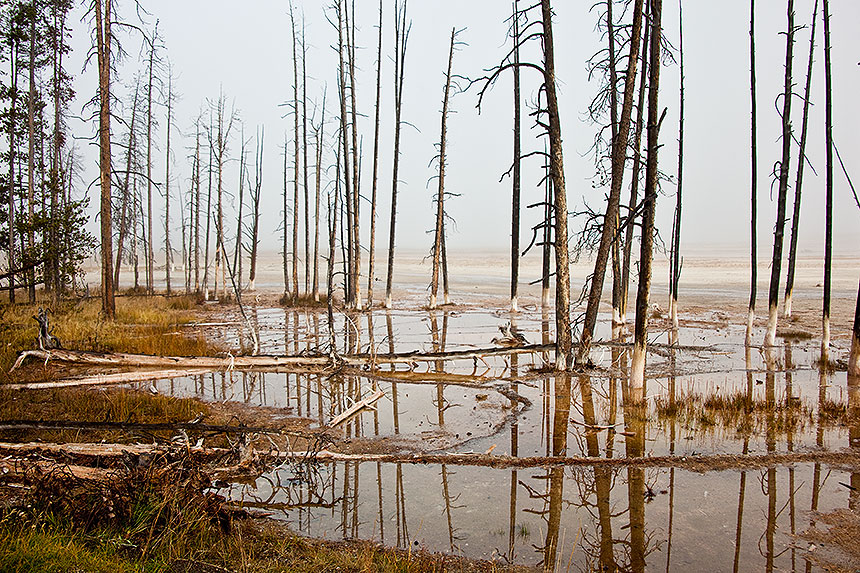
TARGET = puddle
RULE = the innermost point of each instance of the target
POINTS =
(708, 396)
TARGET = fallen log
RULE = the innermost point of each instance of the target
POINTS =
(114, 378)
(148, 428)
(104, 452)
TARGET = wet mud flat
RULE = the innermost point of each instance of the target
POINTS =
(771, 435)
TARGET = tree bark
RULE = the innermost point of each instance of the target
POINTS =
(31, 158)
(401, 35)
(440, 194)
(784, 165)
(798, 183)
(515, 183)
(168, 255)
(104, 19)
(828, 140)
(375, 182)
(562, 263)
(753, 181)
(619, 156)
(637, 366)
(676, 227)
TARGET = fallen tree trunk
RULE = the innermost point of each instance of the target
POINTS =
(140, 427)
(115, 378)
(356, 408)
(103, 453)
(282, 361)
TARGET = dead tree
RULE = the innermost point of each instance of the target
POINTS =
(168, 253)
(798, 182)
(31, 158)
(103, 10)
(195, 184)
(675, 273)
(126, 210)
(517, 167)
(295, 107)
(305, 158)
(401, 37)
(646, 253)
(753, 181)
(635, 176)
(255, 208)
(440, 194)
(375, 181)
(355, 236)
(220, 140)
(153, 61)
(619, 155)
(854, 357)
(238, 247)
(317, 183)
(828, 213)
(782, 170)
(285, 223)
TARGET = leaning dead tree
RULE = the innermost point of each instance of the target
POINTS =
(637, 365)
(254, 238)
(798, 182)
(610, 219)
(401, 37)
(440, 194)
(782, 170)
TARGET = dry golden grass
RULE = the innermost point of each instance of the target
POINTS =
(145, 325)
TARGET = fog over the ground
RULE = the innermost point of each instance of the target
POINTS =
(245, 50)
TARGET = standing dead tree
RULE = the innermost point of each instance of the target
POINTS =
(675, 259)
(440, 194)
(401, 37)
(219, 140)
(828, 209)
(798, 182)
(104, 14)
(619, 156)
(168, 253)
(548, 119)
(317, 183)
(295, 106)
(753, 181)
(782, 170)
(126, 210)
(254, 238)
(646, 253)
(517, 167)
(375, 181)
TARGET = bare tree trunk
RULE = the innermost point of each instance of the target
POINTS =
(517, 175)
(440, 195)
(676, 227)
(546, 245)
(255, 199)
(208, 212)
(286, 235)
(317, 182)
(355, 270)
(104, 19)
(31, 162)
(753, 181)
(784, 165)
(619, 156)
(828, 141)
(150, 258)
(634, 182)
(237, 251)
(295, 160)
(123, 221)
(168, 255)
(305, 159)
(401, 36)
(13, 77)
(637, 365)
(196, 184)
(374, 184)
(798, 185)
(562, 264)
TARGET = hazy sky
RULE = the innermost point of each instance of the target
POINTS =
(244, 49)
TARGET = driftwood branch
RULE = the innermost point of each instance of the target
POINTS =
(356, 408)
